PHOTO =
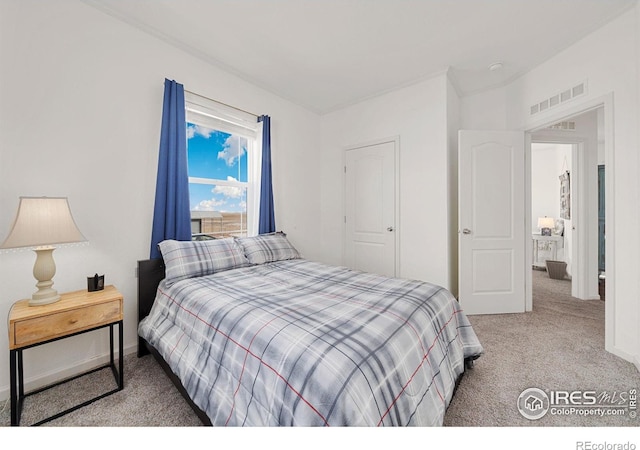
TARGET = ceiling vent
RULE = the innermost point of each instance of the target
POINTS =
(558, 99)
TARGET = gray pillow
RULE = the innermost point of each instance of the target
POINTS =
(189, 259)
(266, 248)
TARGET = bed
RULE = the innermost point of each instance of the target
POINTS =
(253, 334)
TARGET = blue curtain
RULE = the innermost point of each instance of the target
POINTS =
(171, 214)
(266, 221)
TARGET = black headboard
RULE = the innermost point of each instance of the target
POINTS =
(150, 273)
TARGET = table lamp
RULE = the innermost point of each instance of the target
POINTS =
(40, 223)
(546, 224)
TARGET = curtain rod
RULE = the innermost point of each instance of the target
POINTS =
(222, 103)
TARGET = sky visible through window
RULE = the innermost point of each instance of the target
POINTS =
(217, 155)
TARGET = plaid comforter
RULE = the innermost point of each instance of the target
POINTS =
(298, 343)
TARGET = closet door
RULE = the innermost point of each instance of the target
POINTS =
(370, 208)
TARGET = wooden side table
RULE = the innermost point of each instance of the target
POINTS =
(75, 313)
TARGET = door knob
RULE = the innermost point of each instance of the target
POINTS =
(389, 228)
(466, 231)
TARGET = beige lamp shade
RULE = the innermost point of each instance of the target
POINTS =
(546, 222)
(40, 223)
(43, 221)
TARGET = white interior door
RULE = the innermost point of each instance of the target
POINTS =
(370, 208)
(491, 222)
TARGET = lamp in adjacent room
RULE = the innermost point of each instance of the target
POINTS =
(546, 224)
(40, 223)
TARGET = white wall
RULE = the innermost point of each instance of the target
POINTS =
(484, 111)
(608, 61)
(80, 110)
(418, 115)
(636, 353)
(545, 197)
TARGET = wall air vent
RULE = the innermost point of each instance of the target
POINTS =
(559, 98)
(564, 126)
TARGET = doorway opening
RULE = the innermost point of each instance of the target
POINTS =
(566, 167)
(551, 224)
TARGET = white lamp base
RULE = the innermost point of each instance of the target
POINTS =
(50, 297)
(43, 270)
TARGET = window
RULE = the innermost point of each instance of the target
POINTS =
(223, 161)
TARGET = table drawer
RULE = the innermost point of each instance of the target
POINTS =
(39, 329)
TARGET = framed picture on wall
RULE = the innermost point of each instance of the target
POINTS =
(565, 196)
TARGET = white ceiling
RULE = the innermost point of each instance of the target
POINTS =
(325, 54)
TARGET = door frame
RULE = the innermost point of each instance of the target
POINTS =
(580, 272)
(530, 127)
(396, 182)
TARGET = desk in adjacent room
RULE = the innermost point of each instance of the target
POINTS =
(555, 242)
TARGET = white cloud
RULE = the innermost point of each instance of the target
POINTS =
(229, 191)
(234, 148)
(193, 130)
(209, 205)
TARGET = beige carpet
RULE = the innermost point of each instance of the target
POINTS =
(557, 346)
(148, 399)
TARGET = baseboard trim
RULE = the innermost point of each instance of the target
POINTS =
(624, 355)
